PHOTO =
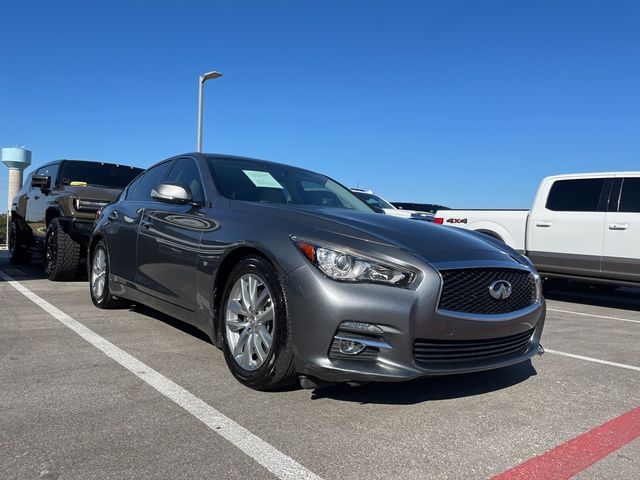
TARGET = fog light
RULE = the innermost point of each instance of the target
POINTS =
(349, 347)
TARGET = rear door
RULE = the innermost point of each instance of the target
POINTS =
(566, 226)
(621, 252)
(169, 241)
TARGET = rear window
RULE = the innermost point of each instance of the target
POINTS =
(106, 175)
(373, 200)
(581, 195)
(630, 197)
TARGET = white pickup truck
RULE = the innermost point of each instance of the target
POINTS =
(582, 227)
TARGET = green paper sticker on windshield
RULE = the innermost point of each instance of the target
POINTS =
(262, 179)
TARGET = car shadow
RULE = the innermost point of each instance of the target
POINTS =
(31, 271)
(429, 389)
(624, 298)
(171, 321)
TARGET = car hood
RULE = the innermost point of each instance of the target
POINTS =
(93, 193)
(432, 243)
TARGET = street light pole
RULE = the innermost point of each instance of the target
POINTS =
(203, 78)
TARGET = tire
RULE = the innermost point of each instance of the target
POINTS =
(99, 279)
(246, 326)
(62, 253)
(18, 255)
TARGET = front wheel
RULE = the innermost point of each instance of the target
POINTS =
(99, 279)
(255, 326)
(62, 253)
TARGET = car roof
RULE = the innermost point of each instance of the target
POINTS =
(591, 175)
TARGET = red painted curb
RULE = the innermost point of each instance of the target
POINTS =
(570, 458)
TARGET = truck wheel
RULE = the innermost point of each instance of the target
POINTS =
(18, 255)
(62, 253)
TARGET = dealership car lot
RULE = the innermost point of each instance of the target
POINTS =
(68, 410)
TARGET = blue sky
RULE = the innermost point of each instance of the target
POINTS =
(463, 103)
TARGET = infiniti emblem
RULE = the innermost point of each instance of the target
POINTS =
(500, 289)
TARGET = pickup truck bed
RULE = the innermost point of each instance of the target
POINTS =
(581, 226)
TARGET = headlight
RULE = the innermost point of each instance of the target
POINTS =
(86, 205)
(538, 281)
(341, 264)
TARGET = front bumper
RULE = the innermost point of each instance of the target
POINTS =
(318, 305)
(80, 229)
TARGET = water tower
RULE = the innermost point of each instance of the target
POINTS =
(16, 160)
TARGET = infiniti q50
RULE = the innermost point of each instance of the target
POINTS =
(294, 277)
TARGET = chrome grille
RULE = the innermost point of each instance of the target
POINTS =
(425, 350)
(467, 290)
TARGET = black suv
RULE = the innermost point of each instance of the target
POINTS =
(54, 212)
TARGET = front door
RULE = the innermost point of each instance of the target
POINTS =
(621, 253)
(38, 202)
(565, 234)
(169, 241)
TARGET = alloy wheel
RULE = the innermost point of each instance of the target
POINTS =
(98, 273)
(249, 321)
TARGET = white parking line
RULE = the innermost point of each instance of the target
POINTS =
(276, 462)
(593, 315)
(594, 360)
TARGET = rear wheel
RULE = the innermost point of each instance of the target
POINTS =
(18, 255)
(99, 279)
(62, 253)
(255, 326)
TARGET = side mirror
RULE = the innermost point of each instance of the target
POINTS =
(377, 209)
(42, 182)
(171, 193)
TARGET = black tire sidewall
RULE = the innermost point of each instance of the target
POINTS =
(47, 239)
(99, 302)
(17, 254)
(13, 238)
(264, 376)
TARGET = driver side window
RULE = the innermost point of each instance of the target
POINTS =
(50, 171)
(185, 172)
(140, 189)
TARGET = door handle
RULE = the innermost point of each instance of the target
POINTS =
(543, 223)
(618, 226)
(146, 223)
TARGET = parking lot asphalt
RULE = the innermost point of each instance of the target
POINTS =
(68, 410)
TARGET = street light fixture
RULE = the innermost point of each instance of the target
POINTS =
(203, 78)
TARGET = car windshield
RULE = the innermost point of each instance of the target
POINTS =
(256, 181)
(420, 207)
(373, 200)
(105, 175)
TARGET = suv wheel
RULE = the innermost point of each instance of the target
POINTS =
(18, 255)
(62, 253)
(255, 326)
(99, 279)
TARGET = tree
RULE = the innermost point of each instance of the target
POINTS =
(3, 228)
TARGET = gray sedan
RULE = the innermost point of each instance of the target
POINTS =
(297, 279)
